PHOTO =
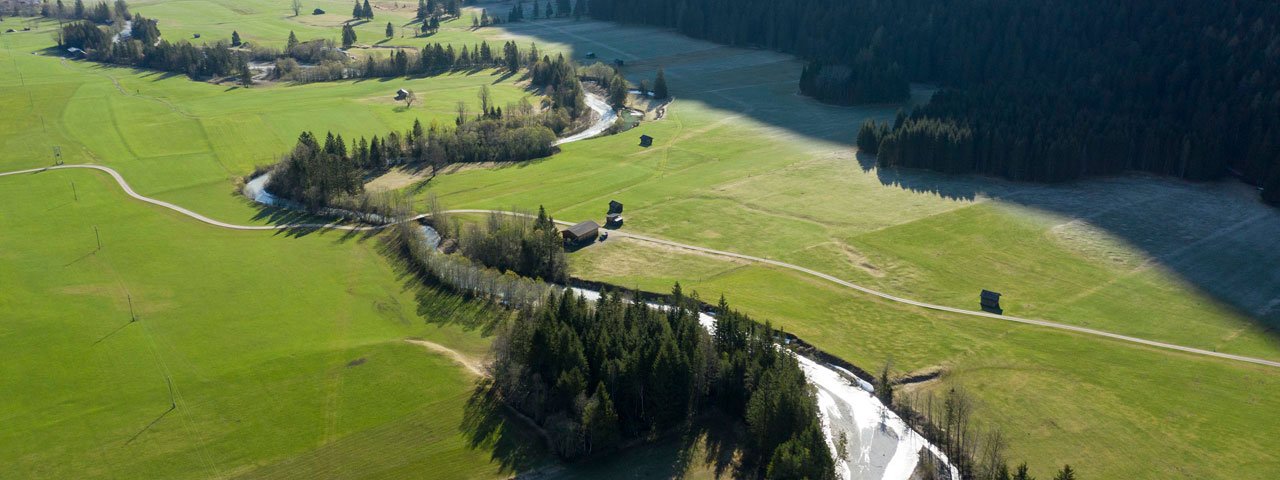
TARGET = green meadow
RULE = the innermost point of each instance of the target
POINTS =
(187, 142)
(286, 353)
(741, 163)
(280, 355)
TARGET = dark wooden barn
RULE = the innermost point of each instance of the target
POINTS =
(581, 232)
(615, 206)
(646, 141)
(991, 302)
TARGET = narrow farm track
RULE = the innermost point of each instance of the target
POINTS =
(807, 271)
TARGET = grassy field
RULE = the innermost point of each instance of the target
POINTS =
(268, 22)
(286, 354)
(184, 141)
(743, 164)
(257, 330)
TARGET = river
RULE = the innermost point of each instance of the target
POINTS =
(878, 444)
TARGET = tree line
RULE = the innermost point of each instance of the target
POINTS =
(100, 12)
(529, 247)
(316, 176)
(1050, 91)
(562, 9)
(595, 376)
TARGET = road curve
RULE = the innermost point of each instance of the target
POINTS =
(129, 190)
(807, 271)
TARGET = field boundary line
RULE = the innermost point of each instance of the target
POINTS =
(808, 271)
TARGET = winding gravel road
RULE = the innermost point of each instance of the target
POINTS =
(807, 271)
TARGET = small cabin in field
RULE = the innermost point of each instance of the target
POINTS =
(646, 141)
(591, 54)
(991, 302)
(615, 206)
(402, 94)
(617, 62)
(585, 231)
(317, 12)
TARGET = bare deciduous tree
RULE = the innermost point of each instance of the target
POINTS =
(297, 7)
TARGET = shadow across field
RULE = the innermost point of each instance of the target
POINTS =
(1217, 237)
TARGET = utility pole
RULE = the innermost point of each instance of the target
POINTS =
(132, 317)
(97, 237)
(73, 191)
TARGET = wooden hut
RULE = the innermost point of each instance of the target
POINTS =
(615, 206)
(581, 232)
(646, 141)
(991, 301)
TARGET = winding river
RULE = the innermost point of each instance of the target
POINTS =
(878, 444)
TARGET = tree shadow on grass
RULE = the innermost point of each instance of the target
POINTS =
(295, 224)
(436, 303)
(487, 424)
(1215, 238)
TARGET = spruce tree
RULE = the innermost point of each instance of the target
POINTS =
(368, 11)
(293, 42)
(348, 36)
(391, 30)
(1065, 474)
(235, 38)
(357, 12)
(660, 86)
(1022, 474)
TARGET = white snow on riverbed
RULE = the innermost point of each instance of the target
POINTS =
(605, 118)
(878, 444)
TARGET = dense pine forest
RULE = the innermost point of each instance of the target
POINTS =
(596, 376)
(1049, 91)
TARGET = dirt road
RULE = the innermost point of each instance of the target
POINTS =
(807, 271)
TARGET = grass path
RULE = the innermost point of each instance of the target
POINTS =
(1042, 323)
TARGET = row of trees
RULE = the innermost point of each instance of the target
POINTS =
(562, 9)
(101, 12)
(595, 376)
(143, 50)
(529, 247)
(428, 9)
(460, 274)
(1051, 90)
(362, 12)
(316, 177)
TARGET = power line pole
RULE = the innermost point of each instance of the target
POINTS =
(97, 237)
(132, 316)
(73, 191)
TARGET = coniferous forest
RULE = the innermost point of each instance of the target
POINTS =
(595, 376)
(1052, 90)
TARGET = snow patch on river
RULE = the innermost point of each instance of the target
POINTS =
(879, 445)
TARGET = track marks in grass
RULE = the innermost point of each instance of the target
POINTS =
(476, 367)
